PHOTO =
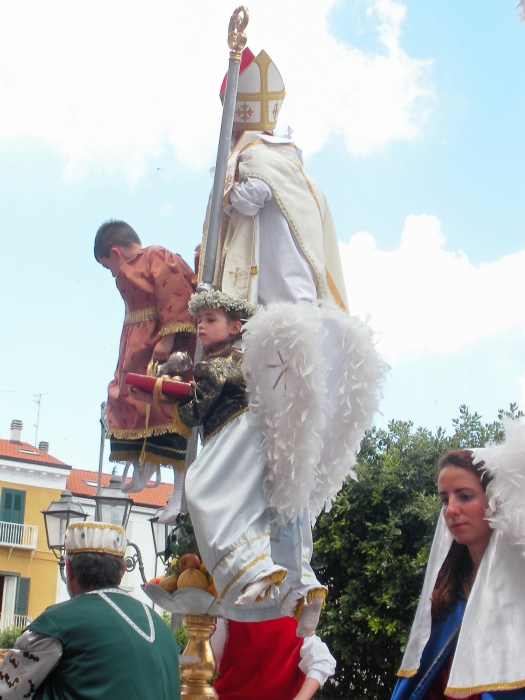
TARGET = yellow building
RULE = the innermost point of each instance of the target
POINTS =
(29, 480)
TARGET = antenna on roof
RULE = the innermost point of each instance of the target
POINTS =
(37, 400)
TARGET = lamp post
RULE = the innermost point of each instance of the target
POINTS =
(160, 533)
(57, 516)
(111, 505)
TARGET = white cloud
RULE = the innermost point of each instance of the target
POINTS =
(111, 82)
(423, 298)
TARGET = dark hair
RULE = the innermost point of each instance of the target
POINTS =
(95, 569)
(227, 348)
(457, 566)
(113, 232)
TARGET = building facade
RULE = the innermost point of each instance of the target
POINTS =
(30, 478)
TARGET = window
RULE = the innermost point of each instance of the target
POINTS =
(12, 506)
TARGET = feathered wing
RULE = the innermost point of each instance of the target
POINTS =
(355, 373)
(521, 11)
(506, 491)
(285, 375)
(314, 379)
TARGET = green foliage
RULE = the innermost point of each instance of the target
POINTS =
(180, 635)
(371, 549)
(8, 637)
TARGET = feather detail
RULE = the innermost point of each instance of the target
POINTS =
(521, 11)
(314, 378)
(506, 492)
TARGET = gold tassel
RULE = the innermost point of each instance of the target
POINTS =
(277, 577)
(314, 593)
(130, 456)
(150, 372)
(139, 433)
(180, 427)
(298, 609)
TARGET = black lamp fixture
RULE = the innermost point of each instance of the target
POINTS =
(160, 532)
(57, 516)
(111, 505)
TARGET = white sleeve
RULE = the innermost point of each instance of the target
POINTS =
(316, 661)
(24, 669)
(250, 195)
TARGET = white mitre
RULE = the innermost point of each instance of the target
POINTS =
(96, 537)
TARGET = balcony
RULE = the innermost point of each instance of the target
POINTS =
(20, 536)
(13, 620)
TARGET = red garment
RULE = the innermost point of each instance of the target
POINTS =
(437, 691)
(156, 286)
(261, 661)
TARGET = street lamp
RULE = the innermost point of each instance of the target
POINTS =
(160, 532)
(57, 516)
(113, 506)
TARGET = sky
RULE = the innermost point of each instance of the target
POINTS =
(410, 117)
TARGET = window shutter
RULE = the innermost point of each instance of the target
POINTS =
(22, 596)
(13, 503)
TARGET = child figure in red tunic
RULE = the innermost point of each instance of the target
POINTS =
(156, 286)
(268, 661)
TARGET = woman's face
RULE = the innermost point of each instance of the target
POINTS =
(464, 506)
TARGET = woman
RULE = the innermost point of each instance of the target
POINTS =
(468, 637)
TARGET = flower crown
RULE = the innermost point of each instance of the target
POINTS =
(215, 299)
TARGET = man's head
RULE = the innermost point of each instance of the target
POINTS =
(116, 243)
(92, 570)
(94, 556)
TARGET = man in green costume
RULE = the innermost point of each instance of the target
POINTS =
(100, 645)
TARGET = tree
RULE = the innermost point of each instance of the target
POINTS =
(372, 547)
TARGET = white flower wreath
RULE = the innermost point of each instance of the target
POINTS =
(215, 299)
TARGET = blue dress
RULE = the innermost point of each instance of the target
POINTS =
(437, 653)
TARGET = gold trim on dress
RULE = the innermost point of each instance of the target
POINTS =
(150, 458)
(298, 610)
(277, 578)
(180, 427)
(515, 685)
(240, 544)
(177, 328)
(241, 573)
(407, 674)
(148, 314)
(315, 593)
(138, 433)
(230, 418)
(334, 291)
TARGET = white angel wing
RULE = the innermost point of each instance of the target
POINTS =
(284, 372)
(314, 380)
(506, 491)
(354, 377)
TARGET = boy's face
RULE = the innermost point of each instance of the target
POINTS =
(117, 257)
(214, 327)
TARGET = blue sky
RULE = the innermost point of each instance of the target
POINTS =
(410, 115)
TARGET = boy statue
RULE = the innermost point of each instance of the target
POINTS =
(156, 286)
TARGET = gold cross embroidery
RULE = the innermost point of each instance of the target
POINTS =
(236, 274)
(284, 366)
